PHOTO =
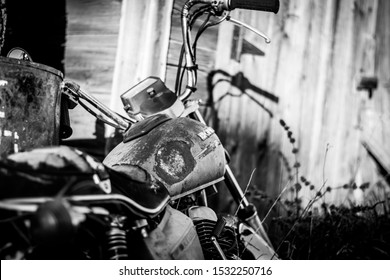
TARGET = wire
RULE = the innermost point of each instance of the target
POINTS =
(201, 29)
(180, 71)
(181, 78)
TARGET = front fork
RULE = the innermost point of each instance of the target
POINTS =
(247, 210)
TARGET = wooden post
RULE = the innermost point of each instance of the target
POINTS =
(142, 45)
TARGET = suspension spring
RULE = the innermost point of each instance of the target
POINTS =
(227, 240)
(116, 244)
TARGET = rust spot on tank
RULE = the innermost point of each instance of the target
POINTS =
(174, 162)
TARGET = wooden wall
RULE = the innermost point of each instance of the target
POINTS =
(110, 46)
(142, 46)
(308, 79)
(91, 45)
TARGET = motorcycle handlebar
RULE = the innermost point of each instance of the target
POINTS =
(258, 5)
(220, 6)
(76, 92)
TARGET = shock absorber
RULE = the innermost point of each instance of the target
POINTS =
(116, 242)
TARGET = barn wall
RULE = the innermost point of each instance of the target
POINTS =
(91, 45)
(143, 45)
(308, 79)
(111, 46)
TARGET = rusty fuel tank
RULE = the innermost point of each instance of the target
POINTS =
(183, 154)
(29, 105)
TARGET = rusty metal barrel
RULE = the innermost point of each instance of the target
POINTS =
(30, 97)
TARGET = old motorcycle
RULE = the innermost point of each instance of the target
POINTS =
(149, 198)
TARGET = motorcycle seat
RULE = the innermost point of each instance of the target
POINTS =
(48, 172)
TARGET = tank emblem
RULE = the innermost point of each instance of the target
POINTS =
(174, 161)
(206, 133)
(210, 148)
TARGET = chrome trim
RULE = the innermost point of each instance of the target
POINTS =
(29, 204)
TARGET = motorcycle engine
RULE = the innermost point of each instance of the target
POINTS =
(205, 221)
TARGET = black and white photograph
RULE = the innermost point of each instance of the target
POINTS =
(244, 132)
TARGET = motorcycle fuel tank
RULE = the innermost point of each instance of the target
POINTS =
(183, 154)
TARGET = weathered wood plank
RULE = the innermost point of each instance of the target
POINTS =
(143, 45)
(91, 43)
(94, 16)
(318, 49)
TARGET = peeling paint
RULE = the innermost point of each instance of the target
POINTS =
(174, 161)
(174, 154)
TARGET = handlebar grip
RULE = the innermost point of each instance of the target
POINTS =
(258, 5)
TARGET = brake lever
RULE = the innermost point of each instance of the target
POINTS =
(219, 18)
(240, 23)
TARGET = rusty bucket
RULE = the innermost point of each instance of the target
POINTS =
(30, 109)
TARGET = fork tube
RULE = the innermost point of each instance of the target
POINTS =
(238, 194)
(230, 179)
